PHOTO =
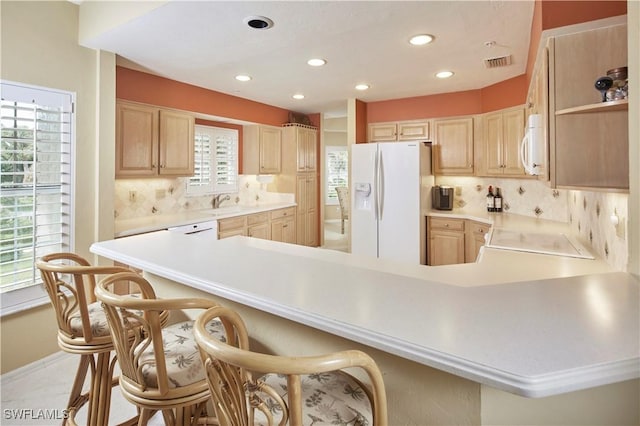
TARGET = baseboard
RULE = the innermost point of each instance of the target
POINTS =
(35, 365)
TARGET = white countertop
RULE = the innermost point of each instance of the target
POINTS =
(530, 324)
(143, 224)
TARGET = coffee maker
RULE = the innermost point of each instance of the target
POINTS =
(442, 197)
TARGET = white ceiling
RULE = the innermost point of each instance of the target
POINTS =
(207, 43)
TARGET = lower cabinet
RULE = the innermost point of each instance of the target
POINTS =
(283, 225)
(446, 241)
(452, 241)
(275, 225)
(258, 226)
(232, 226)
(474, 239)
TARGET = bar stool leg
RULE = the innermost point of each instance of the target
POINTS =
(77, 399)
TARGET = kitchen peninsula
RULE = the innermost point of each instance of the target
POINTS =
(511, 348)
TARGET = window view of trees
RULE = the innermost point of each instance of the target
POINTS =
(337, 161)
(35, 165)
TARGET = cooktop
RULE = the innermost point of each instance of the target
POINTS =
(557, 244)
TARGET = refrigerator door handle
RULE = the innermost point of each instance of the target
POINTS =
(380, 185)
(376, 170)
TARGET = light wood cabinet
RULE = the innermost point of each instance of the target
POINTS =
(538, 103)
(306, 139)
(262, 149)
(502, 133)
(258, 226)
(275, 225)
(283, 225)
(299, 175)
(399, 131)
(307, 220)
(446, 241)
(453, 146)
(589, 139)
(453, 241)
(232, 226)
(474, 239)
(151, 141)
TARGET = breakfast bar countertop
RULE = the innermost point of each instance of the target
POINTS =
(529, 324)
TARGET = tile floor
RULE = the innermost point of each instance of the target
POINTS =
(37, 394)
(333, 239)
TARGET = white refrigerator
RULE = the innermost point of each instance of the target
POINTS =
(390, 194)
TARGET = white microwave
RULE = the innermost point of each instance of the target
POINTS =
(532, 149)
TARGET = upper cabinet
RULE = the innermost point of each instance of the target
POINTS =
(262, 146)
(589, 140)
(399, 131)
(151, 141)
(499, 146)
(453, 146)
(302, 140)
(538, 103)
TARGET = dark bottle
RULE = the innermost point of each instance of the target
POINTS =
(497, 201)
(490, 200)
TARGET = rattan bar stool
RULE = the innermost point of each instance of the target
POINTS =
(160, 367)
(294, 391)
(82, 329)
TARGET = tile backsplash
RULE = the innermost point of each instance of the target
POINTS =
(589, 213)
(146, 197)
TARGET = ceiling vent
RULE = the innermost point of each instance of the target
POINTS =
(500, 61)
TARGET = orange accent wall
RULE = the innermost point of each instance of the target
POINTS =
(559, 13)
(431, 106)
(505, 94)
(147, 88)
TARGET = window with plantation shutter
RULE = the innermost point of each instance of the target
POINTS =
(216, 161)
(36, 184)
(336, 161)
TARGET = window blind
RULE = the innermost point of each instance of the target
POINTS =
(35, 181)
(216, 161)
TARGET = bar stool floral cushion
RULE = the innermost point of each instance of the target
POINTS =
(331, 398)
(184, 366)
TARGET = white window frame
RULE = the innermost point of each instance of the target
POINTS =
(331, 196)
(34, 294)
(203, 184)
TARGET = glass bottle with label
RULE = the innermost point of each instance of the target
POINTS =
(490, 200)
(497, 201)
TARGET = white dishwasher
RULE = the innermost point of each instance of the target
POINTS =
(207, 229)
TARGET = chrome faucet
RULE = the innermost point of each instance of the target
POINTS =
(218, 199)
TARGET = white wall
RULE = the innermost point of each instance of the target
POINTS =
(40, 47)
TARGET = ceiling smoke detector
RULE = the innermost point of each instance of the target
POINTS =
(497, 62)
(258, 22)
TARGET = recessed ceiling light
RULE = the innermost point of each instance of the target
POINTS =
(444, 74)
(298, 96)
(316, 62)
(258, 22)
(362, 86)
(421, 39)
(243, 77)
